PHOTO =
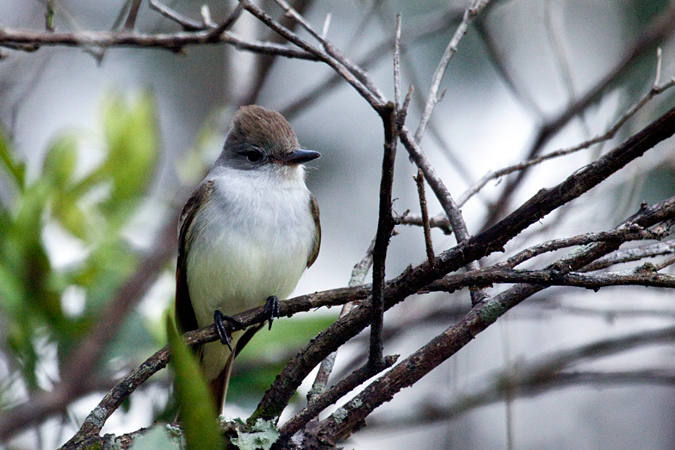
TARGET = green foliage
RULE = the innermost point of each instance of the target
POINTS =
(132, 140)
(15, 169)
(89, 208)
(197, 411)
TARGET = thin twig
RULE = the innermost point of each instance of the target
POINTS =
(440, 221)
(640, 276)
(457, 336)
(168, 41)
(333, 52)
(609, 134)
(291, 12)
(474, 8)
(498, 61)
(665, 263)
(656, 32)
(373, 56)
(357, 278)
(228, 22)
(489, 241)
(263, 64)
(632, 254)
(205, 12)
(130, 23)
(397, 63)
(186, 23)
(527, 379)
(436, 184)
(419, 181)
(443, 196)
(326, 25)
(319, 403)
(618, 235)
(337, 62)
(659, 63)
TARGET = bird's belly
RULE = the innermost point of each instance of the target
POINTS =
(238, 271)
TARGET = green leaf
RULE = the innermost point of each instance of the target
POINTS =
(60, 161)
(71, 216)
(197, 412)
(16, 169)
(131, 137)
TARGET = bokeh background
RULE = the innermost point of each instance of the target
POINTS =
(103, 148)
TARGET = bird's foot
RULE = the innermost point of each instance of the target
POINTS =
(218, 321)
(272, 309)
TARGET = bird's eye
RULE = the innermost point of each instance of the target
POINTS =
(253, 156)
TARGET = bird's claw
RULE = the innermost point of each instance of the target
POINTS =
(272, 309)
(218, 321)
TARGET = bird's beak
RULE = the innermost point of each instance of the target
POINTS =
(299, 156)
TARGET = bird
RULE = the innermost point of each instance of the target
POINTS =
(246, 235)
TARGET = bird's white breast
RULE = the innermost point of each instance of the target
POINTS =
(250, 239)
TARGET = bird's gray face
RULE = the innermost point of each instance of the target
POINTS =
(261, 139)
(247, 156)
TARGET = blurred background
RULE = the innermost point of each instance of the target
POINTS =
(101, 148)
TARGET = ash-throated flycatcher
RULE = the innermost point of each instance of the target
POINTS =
(246, 234)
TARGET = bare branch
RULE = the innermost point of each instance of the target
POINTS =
(439, 349)
(431, 27)
(349, 71)
(397, 63)
(618, 235)
(485, 243)
(474, 8)
(385, 227)
(32, 40)
(533, 378)
(441, 221)
(657, 31)
(443, 195)
(552, 277)
(419, 180)
(228, 22)
(130, 23)
(632, 254)
(609, 134)
(435, 182)
(323, 401)
(185, 22)
(357, 279)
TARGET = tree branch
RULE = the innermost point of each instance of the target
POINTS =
(657, 31)
(32, 40)
(489, 241)
(439, 349)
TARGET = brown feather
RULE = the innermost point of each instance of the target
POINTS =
(219, 384)
(185, 314)
(314, 209)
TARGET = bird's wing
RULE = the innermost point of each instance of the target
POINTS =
(314, 209)
(185, 314)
